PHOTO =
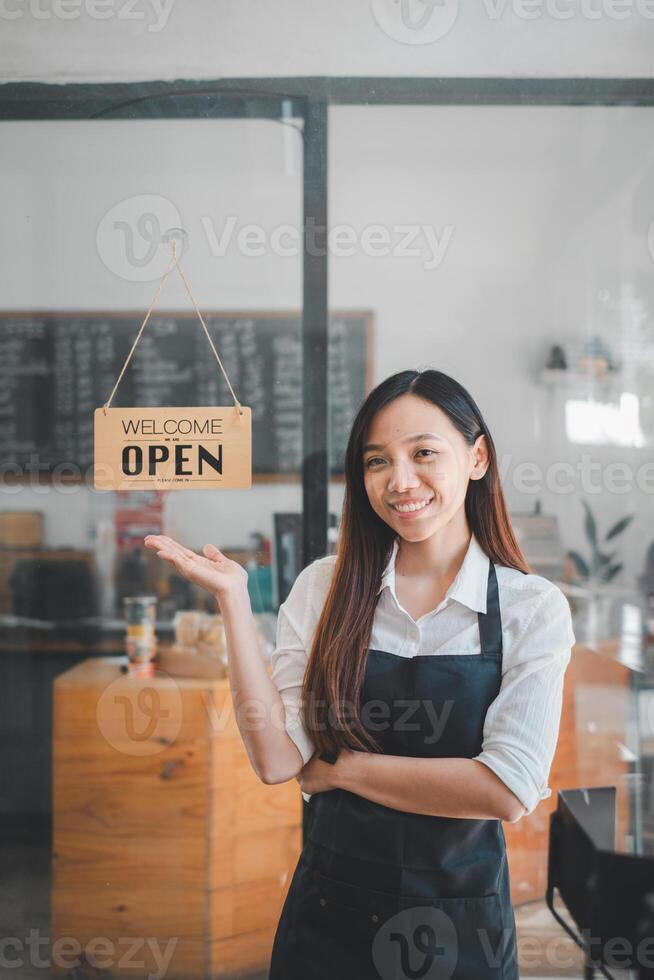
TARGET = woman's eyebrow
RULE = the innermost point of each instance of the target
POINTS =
(422, 435)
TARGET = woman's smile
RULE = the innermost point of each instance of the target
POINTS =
(411, 510)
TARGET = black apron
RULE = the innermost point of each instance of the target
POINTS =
(382, 893)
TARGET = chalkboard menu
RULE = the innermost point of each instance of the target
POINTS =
(56, 368)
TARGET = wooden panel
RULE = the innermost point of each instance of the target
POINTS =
(91, 862)
(21, 529)
(95, 700)
(246, 908)
(225, 959)
(240, 858)
(240, 956)
(103, 790)
(247, 810)
(174, 840)
(138, 911)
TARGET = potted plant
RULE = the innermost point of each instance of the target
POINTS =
(598, 571)
(601, 568)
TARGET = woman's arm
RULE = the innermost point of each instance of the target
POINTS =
(260, 711)
(509, 776)
(436, 787)
(258, 706)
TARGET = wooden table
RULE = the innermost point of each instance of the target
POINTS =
(163, 834)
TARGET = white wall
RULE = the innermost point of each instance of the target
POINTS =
(545, 206)
(83, 40)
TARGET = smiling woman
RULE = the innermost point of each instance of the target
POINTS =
(428, 602)
(429, 612)
(437, 485)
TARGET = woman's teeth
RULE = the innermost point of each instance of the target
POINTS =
(407, 508)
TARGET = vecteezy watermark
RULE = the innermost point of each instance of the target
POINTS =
(140, 719)
(567, 9)
(126, 953)
(417, 942)
(587, 475)
(155, 12)
(399, 241)
(427, 21)
(429, 942)
(146, 718)
(132, 239)
(398, 715)
(416, 21)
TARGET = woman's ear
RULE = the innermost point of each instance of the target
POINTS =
(480, 461)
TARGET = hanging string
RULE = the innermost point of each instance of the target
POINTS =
(147, 317)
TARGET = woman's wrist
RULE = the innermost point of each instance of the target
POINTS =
(233, 600)
(345, 769)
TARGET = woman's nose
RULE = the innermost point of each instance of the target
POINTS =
(403, 477)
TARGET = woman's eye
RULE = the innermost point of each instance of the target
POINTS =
(376, 459)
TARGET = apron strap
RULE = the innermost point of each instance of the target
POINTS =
(490, 622)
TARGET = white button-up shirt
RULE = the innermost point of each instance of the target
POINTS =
(522, 723)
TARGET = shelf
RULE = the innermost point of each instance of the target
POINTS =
(568, 378)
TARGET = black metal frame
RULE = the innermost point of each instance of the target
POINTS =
(309, 99)
(602, 888)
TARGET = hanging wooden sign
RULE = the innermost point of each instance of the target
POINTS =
(172, 448)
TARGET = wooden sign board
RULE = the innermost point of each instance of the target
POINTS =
(173, 448)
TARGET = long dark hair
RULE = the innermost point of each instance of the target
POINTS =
(337, 660)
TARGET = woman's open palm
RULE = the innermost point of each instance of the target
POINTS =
(211, 570)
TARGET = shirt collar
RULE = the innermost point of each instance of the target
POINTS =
(470, 585)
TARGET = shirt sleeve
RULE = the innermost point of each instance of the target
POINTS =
(521, 727)
(289, 658)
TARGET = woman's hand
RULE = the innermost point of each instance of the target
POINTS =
(211, 570)
(317, 775)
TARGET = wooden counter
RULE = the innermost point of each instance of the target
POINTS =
(162, 830)
(161, 827)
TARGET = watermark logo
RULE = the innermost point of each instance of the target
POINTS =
(154, 13)
(131, 238)
(134, 239)
(417, 942)
(124, 954)
(427, 21)
(138, 718)
(416, 21)
(586, 475)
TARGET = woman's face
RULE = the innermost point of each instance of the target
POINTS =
(431, 472)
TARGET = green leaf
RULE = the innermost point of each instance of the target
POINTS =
(618, 528)
(580, 564)
(612, 571)
(602, 559)
(590, 526)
